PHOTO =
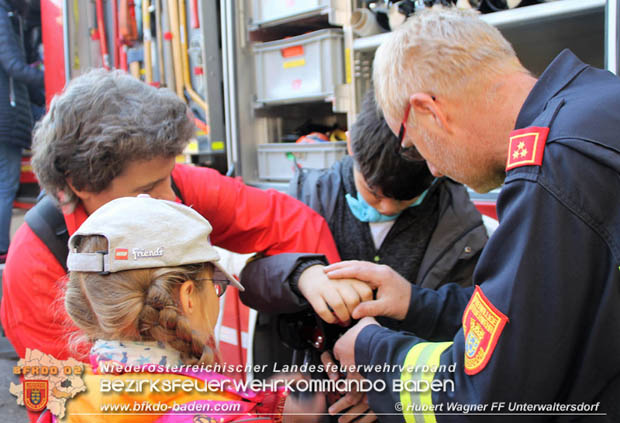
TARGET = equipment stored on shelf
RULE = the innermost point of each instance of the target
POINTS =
(303, 68)
(392, 13)
(274, 163)
(149, 39)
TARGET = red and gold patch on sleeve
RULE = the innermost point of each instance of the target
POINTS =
(527, 147)
(482, 325)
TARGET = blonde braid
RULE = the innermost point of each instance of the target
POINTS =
(160, 320)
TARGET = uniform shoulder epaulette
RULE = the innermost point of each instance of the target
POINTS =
(526, 147)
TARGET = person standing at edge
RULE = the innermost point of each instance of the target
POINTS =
(16, 79)
(541, 328)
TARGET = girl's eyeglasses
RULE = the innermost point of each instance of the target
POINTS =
(219, 285)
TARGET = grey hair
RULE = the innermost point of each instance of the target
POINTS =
(101, 122)
(438, 51)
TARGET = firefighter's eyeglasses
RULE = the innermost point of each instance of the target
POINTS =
(408, 153)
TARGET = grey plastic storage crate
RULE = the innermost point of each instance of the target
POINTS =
(265, 11)
(274, 165)
(297, 69)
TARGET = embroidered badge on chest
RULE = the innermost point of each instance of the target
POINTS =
(526, 147)
(482, 325)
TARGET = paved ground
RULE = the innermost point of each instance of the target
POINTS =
(10, 412)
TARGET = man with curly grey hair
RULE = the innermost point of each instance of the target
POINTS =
(107, 136)
(539, 333)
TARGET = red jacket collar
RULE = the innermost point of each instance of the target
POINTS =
(75, 219)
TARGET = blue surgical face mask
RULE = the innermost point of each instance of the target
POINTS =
(364, 212)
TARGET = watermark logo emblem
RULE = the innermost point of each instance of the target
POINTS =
(35, 394)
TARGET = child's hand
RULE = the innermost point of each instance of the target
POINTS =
(393, 291)
(333, 300)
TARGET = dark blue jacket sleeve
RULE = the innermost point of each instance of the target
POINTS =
(435, 315)
(12, 57)
(550, 284)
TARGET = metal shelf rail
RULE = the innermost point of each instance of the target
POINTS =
(523, 17)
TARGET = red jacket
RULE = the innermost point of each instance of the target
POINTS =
(244, 220)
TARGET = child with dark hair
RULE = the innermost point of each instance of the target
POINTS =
(380, 207)
(379, 163)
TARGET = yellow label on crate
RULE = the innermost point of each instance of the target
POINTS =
(217, 145)
(294, 63)
(347, 64)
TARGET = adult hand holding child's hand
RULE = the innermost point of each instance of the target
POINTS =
(393, 291)
(333, 300)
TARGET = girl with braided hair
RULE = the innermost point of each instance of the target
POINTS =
(143, 288)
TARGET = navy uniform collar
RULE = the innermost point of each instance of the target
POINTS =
(557, 75)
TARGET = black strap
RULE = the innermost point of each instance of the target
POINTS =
(47, 222)
(176, 190)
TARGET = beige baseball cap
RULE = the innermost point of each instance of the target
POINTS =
(143, 233)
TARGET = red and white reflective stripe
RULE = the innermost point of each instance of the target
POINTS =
(229, 336)
(232, 332)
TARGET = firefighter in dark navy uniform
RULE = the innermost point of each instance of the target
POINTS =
(538, 337)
